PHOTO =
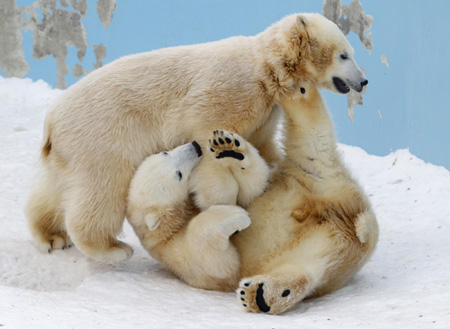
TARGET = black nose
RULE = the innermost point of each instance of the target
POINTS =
(197, 148)
(364, 83)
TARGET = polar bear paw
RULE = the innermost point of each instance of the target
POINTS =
(228, 145)
(60, 240)
(235, 219)
(268, 295)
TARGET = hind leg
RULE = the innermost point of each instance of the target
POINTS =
(290, 276)
(94, 218)
(44, 213)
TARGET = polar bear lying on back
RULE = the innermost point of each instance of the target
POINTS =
(183, 207)
(311, 231)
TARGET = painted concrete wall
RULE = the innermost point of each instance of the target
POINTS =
(406, 100)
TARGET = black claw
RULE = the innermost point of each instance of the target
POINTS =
(302, 90)
(243, 299)
(49, 250)
(236, 142)
(62, 248)
(227, 140)
(242, 292)
(211, 150)
(247, 284)
(221, 141)
(215, 142)
(245, 305)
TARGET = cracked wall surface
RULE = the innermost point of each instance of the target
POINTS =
(12, 55)
(54, 28)
(384, 60)
(57, 25)
(105, 10)
(351, 18)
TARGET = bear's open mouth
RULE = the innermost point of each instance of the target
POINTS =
(340, 85)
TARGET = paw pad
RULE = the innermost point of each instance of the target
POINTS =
(252, 297)
(226, 145)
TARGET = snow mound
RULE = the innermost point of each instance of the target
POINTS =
(404, 285)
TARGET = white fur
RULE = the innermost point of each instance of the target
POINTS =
(227, 180)
(99, 131)
(196, 246)
(313, 228)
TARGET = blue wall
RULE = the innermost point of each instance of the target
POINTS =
(411, 94)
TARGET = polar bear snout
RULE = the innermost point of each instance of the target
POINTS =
(346, 74)
(359, 84)
(344, 86)
(184, 158)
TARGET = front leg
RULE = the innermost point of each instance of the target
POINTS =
(249, 169)
(230, 172)
(265, 138)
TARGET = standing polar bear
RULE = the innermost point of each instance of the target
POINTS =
(99, 131)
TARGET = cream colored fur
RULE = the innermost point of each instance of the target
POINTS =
(228, 181)
(313, 228)
(191, 236)
(99, 131)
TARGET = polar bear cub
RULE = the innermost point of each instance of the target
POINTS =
(184, 206)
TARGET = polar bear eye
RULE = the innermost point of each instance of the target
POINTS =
(344, 56)
(180, 175)
(164, 153)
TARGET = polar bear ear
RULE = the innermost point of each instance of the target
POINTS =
(152, 221)
(303, 25)
(301, 20)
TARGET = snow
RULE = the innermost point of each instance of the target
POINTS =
(404, 285)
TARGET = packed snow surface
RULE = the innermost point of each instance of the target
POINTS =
(404, 285)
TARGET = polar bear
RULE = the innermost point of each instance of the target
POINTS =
(184, 212)
(98, 131)
(313, 228)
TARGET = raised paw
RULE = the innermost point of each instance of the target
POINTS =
(237, 220)
(228, 145)
(268, 295)
(232, 220)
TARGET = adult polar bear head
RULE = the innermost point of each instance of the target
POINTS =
(312, 46)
